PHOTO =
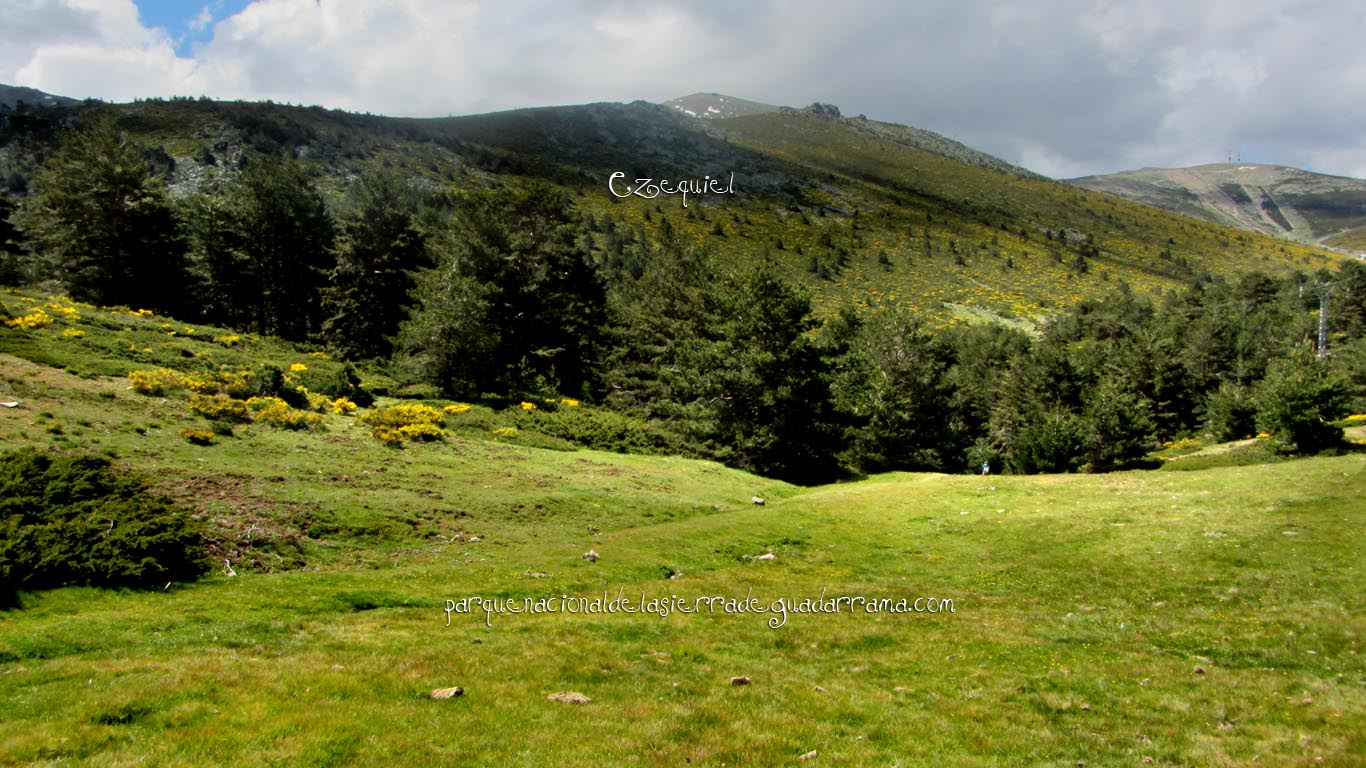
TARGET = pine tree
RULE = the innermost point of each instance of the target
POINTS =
(770, 390)
(661, 316)
(101, 217)
(522, 281)
(369, 288)
(223, 281)
(288, 238)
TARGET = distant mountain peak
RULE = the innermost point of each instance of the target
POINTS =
(718, 106)
(12, 96)
(1276, 200)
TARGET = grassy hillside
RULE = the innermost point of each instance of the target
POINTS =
(1210, 616)
(862, 212)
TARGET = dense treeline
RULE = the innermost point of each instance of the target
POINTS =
(516, 293)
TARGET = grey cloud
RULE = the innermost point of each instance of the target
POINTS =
(1065, 86)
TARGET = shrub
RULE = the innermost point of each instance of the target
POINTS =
(156, 382)
(220, 408)
(277, 413)
(197, 436)
(1055, 442)
(344, 385)
(1230, 413)
(74, 520)
(35, 319)
(393, 424)
(268, 381)
(596, 428)
(1297, 401)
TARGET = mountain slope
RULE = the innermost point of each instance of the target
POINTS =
(1271, 199)
(12, 96)
(863, 213)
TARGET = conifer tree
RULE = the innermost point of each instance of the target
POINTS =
(369, 287)
(100, 216)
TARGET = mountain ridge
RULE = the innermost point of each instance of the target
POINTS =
(1277, 200)
(863, 213)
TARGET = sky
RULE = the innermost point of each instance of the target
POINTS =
(1063, 87)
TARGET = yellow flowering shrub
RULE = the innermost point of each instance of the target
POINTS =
(569, 402)
(156, 382)
(387, 435)
(73, 333)
(235, 383)
(343, 407)
(456, 408)
(393, 424)
(528, 406)
(201, 385)
(422, 431)
(276, 413)
(297, 368)
(220, 408)
(35, 319)
(197, 436)
(505, 431)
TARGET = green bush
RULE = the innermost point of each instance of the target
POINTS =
(1231, 413)
(68, 520)
(1298, 401)
(596, 428)
(1055, 442)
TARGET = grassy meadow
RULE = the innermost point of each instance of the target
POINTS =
(1210, 617)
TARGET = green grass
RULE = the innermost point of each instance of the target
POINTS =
(1206, 617)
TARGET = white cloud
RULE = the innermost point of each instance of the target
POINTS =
(1063, 86)
(202, 21)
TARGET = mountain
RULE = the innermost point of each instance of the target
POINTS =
(863, 213)
(716, 106)
(12, 96)
(1271, 199)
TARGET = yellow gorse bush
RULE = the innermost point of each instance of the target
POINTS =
(220, 408)
(35, 319)
(528, 406)
(197, 436)
(455, 408)
(394, 424)
(202, 385)
(73, 333)
(277, 413)
(156, 382)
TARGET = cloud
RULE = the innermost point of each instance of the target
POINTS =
(202, 21)
(1065, 87)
